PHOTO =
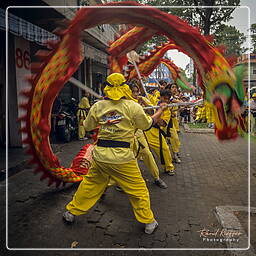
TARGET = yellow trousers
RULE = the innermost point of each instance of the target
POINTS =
(153, 139)
(142, 150)
(81, 130)
(127, 176)
(175, 142)
(175, 123)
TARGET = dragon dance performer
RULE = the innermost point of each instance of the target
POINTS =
(209, 114)
(83, 108)
(157, 142)
(253, 114)
(141, 147)
(113, 157)
(169, 129)
(154, 96)
(175, 98)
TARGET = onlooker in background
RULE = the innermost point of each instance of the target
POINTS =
(56, 109)
(253, 114)
(163, 84)
(83, 108)
(174, 99)
(185, 112)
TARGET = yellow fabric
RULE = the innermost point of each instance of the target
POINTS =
(145, 153)
(200, 114)
(127, 176)
(175, 123)
(81, 115)
(153, 141)
(174, 138)
(175, 120)
(81, 130)
(254, 95)
(209, 112)
(84, 103)
(154, 98)
(118, 121)
(175, 141)
(117, 88)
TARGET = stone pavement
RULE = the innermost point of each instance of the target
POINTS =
(211, 174)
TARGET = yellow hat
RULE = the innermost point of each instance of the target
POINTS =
(117, 88)
(254, 95)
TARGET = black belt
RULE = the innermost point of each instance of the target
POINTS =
(113, 144)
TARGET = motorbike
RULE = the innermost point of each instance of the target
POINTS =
(66, 127)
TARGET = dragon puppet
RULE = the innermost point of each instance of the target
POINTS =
(56, 66)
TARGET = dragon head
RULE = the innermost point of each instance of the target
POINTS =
(224, 90)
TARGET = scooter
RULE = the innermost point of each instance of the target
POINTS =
(66, 122)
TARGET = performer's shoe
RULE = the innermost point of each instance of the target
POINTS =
(171, 172)
(160, 183)
(68, 217)
(176, 158)
(119, 189)
(151, 227)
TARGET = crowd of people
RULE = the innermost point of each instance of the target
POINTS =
(131, 128)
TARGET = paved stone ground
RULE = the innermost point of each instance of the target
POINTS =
(211, 174)
(243, 218)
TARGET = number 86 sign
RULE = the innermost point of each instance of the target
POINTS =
(22, 59)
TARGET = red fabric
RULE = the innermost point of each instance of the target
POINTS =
(82, 160)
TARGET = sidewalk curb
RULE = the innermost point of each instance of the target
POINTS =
(199, 131)
(227, 219)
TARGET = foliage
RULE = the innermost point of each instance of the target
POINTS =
(198, 125)
(253, 37)
(230, 37)
(208, 20)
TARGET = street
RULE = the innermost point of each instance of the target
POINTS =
(211, 174)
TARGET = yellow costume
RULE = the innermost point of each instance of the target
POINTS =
(158, 143)
(113, 157)
(170, 131)
(81, 115)
(142, 150)
(154, 98)
(200, 114)
(209, 112)
(175, 120)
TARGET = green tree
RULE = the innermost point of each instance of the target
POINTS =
(230, 37)
(253, 37)
(209, 19)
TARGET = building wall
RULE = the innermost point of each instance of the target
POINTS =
(92, 71)
(2, 90)
(14, 126)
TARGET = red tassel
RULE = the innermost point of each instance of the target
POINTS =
(50, 182)
(44, 176)
(26, 93)
(30, 78)
(26, 141)
(42, 54)
(52, 44)
(58, 31)
(23, 105)
(36, 67)
(22, 118)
